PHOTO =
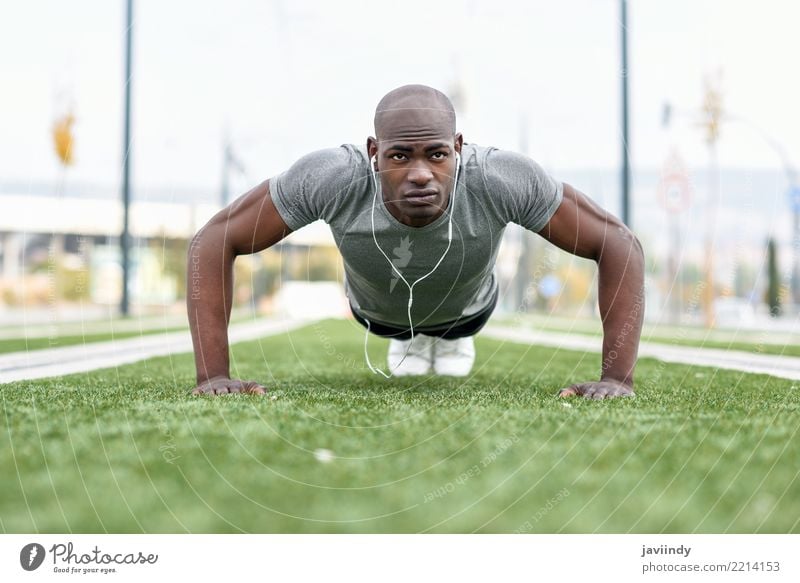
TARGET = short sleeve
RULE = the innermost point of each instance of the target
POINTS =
(521, 189)
(310, 188)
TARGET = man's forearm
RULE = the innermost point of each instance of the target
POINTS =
(621, 299)
(209, 301)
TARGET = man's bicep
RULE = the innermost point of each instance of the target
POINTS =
(579, 225)
(251, 223)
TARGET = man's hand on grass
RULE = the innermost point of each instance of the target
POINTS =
(607, 389)
(224, 385)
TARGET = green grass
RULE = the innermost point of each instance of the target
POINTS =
(127, 450)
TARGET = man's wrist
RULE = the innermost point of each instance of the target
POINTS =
(622, 379)
(211, 378)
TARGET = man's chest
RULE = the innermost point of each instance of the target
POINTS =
(467, 253)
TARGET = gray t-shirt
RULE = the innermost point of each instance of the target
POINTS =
(495, 187)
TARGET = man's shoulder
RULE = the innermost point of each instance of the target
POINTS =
(327, 172)
(493, 163)
(491, 159)
(483, 155)
(515, 184)
(313, 187)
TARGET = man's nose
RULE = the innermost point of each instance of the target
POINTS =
(420, 174)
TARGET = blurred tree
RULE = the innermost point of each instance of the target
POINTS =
(173, 259)
(577, 277)
(323, 264)
(744, 279)
(271, 270)
(74, 282)
(243, 270)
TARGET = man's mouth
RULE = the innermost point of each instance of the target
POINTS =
(423, 196)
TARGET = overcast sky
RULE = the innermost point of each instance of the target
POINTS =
(289, 77)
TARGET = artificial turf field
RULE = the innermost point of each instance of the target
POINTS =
(129, 450)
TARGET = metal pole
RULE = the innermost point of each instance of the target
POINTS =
(126, 153)
(626, 169)
(711, 222)
(795, 258)
(712, 108)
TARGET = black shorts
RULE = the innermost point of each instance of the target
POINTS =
(450, 331)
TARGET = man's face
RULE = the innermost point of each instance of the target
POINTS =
(416, 161)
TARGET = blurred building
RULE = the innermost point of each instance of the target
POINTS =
(67, 248)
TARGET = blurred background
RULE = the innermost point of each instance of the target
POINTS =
(224, 95)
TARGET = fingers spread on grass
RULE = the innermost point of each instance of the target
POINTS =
(598, 390)
(612, 389)
(251, 388)
(227, 386)
(203, 390)
(590, 392)
(570, 391)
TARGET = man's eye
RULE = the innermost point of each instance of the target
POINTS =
(398, 157)
(439, 156)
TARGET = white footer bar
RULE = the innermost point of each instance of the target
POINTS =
(401, 558)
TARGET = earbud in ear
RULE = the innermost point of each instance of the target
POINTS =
(375, 163)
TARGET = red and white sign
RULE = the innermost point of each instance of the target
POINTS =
(674, 188)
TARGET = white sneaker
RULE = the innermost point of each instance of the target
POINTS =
(453, 357)
(417, 361)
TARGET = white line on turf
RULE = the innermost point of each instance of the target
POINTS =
(49, 362)
(787, 367)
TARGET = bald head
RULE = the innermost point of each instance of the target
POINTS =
(412, 109)
(415, 152)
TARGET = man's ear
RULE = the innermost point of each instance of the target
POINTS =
(372, 147)
(459, 141)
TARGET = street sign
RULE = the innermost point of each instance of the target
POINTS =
(674, 189)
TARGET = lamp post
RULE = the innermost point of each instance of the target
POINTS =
(711, 114)
(626, 160)
(124, 306)
(64, 142)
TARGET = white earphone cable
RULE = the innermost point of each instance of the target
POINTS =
(450, 209)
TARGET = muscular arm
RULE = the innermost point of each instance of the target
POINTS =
(248, 225)
(583, 228)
